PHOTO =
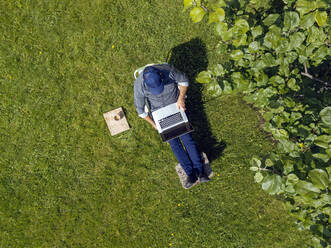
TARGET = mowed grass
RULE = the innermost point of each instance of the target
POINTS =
(65, 182)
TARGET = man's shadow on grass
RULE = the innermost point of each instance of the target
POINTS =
(191, 58)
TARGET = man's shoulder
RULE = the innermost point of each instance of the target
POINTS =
(164, 66)
(138, 85)
(139, 80)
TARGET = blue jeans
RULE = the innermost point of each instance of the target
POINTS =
(189, 159)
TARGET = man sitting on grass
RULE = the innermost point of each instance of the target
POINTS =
(162, 85)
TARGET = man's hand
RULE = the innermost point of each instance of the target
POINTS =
(154, 126)
(150, 121)
(181, 104)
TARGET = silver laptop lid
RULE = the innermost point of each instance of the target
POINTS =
(168, 117)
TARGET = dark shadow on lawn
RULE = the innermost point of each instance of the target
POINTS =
(191, 58)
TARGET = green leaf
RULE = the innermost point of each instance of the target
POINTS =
(324, 157)
(307, 21)
(289, 102)
(236, 55)
(204, 77)
(321, 17)
(276, 81)
(316, 36)
(254, 168)
(321, 144)
(295, 116)
(319, 178)
(292, 84)
(272, 38)
(241, 25)
(268, 92)
(214, 4)
(258, 177)
(187, 4)
(303, 187)
(239, 81)
(227, 35)
(305, 6)
(326, 198)
(214, 89)
(320, 54)
(267, 116)
(296, 40)
(292, 179)
(254, 47)
(269, 60)
(289, 2)
(217, 16)
(256, 31)
(278, 120)
(258, 65)
(324, 138)
(322, 4)
(282, 60)
(287, 146)
(307, 51)
(328, 152)
(221, 28)
(283, 45)
(291, 56)
(327, 211)
(302, 60)
(290, 189)
(270, 19)
(255, 162)
(221, 48)
(241, 41)
(262, 79)
(197, 14)
(325, 115)
(268, 162)
(305, 199)
(272, 184)
(318, 203)
(226, 87)
(323, 141)
(316, 242)
(283, 70)
(291, 20)
(218, 70)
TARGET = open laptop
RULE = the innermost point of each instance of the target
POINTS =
(171, 122)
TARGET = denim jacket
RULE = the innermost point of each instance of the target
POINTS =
(171, 78)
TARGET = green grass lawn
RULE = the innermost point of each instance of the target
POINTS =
(65, 182)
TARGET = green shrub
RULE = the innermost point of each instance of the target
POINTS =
(279, 56)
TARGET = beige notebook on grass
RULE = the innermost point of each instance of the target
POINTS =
(116, 121)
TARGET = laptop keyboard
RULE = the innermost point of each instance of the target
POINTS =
(170, 120)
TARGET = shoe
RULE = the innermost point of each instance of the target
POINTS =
(203, 178)
(191, 179)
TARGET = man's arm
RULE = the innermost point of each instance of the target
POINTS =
(181, 97)
(139, 99)
(150, 121)
(182, 81)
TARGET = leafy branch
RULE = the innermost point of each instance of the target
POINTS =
(307, 74)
